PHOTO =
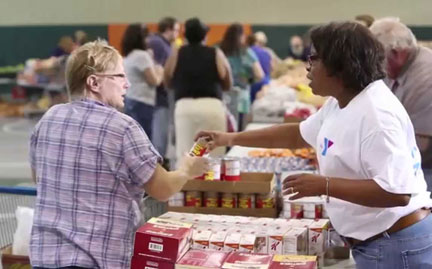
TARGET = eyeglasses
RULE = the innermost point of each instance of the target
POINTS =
(119, 75)
(312, 58)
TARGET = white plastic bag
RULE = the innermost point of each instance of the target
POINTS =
(21, 240)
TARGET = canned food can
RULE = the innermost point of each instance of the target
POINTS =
(265, 201)
(200, 147)
(193, 199)
(246, 200)
(229, 200)
(214, 172)
(309, 214)
(296, 211)
(211, 199)
(319, 211)
(231, 169)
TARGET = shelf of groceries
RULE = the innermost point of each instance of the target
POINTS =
(234, 216)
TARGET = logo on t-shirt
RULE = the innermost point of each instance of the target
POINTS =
(327, 144)
(417, 164)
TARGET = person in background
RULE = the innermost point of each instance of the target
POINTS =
(80, 37)
(198, 74)
(160, 43)
(297, 49)
(409, 69)
(265, 60)
(366, 20)
(144, 76)
(243, 61)
(367, 153)
(92, 165)
(261, 41)
(244, 64)
(65, 47)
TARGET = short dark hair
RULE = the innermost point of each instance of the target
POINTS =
(134, 38)
(231, 42)
(350, 52)
(251, 40)
(166, 23)
(195, 31)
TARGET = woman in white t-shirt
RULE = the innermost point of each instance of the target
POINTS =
(368, 158)
(143, 74)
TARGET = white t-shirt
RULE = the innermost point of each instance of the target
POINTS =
(371, 138)
(135, 63)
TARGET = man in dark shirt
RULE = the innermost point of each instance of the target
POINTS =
(160, 43)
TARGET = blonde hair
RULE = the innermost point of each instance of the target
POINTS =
(393, 34)
(93, 57)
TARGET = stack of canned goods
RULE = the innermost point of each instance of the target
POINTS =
(224, 200)
(308, 208)
(227, 169)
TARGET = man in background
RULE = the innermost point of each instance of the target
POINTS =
(160, 43)
(409, 69)
(297, 49)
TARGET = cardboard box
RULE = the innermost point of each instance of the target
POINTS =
(249, 183)
(217, 240)
(296, 241)
(141, 262)
(318, 236)
(301, 222)
(201, 239)
(293, 262)
(247, 260)
(262, 241)
(318, 239)
(196, 259)
(248, 243)
(232, 242)
(276, 239)
(165, 239)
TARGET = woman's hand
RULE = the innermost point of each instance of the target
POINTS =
(304, 185)
(216, 139)
(193, 167)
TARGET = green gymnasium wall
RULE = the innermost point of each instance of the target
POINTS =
(18, 43)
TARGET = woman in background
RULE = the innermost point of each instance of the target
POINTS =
(143, 74)
(244, 65)
(198, 74)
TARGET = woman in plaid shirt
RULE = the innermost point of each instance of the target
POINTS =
(92, 165)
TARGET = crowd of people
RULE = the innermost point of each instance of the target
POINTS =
(92, 163)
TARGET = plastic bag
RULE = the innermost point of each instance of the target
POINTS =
(21, 238)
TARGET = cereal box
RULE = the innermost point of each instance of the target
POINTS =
(166, 239)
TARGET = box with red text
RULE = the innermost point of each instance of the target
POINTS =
(163, 239)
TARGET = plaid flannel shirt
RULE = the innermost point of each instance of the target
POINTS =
(91, 162)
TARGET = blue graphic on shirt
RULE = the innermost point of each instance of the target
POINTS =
(327, 144)
(416, 165)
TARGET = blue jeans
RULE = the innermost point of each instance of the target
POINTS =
(161, 121)
(142, 113)
(408, 248)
